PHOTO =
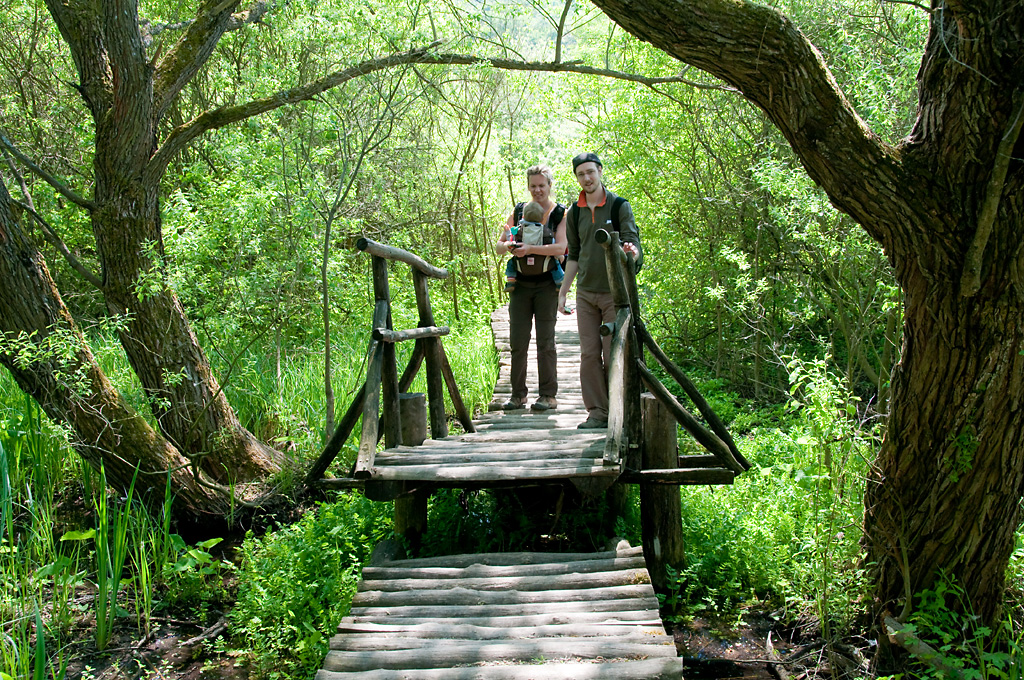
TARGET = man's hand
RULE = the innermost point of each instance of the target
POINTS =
(631, 250)
(562, 306)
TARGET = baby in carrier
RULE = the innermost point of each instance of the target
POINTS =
(533, 213)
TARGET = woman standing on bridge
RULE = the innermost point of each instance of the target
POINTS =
(535, 296)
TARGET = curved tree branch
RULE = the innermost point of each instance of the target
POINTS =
(55, 240)
(76, 21)
(49, 232)
(226, 115)
(762, 54)
(193, 49)
(47, 177)
(150, 30)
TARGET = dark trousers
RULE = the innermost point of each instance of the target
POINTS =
(528, 302)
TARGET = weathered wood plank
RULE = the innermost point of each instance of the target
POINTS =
(629, 616)
(649, 633)
(519, 583)
(473, 445)
(531, 435)
(463, 596)
(535, 462)
(479, 474)
(383, 643)
(646, 669)
(607, 606)
(447, 653)
(511, 558)
(484, 454)
(496, 571)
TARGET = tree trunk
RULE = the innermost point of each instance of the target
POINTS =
(50, 360)
(946, 490)
(127, 96)
(189, 404)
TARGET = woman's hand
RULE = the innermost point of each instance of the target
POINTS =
(522, 250)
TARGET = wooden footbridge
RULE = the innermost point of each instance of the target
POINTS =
(517, 615)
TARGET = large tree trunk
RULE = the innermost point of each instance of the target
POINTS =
(946, 490)
(185, 397)
(50, 360)
(127, 98)
(945, 494)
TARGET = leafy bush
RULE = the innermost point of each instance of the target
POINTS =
(789, 528)
(944, 620)
(296, 584)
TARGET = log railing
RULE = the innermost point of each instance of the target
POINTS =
(378, 399)
(628, 370)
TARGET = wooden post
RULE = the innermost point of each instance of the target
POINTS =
(411, 510)
(660, 512)
(389, 369)
(615, 447)
(432, 353)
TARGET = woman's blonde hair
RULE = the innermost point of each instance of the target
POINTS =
(540, 170)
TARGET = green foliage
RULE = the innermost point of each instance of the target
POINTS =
(295, 584)
(787, 530)
(943, 619)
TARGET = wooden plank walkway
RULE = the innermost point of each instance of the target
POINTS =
(513, 447)
(512, 616)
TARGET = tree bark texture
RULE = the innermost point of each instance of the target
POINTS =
(946, 488)
(126, 95)
(49, 359)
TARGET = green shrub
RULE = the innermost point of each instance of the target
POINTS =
(296, 584)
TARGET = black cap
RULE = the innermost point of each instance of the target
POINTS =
(588, 157)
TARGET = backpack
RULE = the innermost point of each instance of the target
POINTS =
(537, 265)
(616, 206)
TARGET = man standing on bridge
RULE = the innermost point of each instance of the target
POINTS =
(596, 208)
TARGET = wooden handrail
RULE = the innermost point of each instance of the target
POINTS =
(677, 476)
(615, 260)
(387, 335)
(706, 438)
(371, 409)
(397, 254)
(615, 445)
(695, 396)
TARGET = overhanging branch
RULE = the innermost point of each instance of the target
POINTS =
(227, 115)
(47, 177)
(55, 240)
(190, 52)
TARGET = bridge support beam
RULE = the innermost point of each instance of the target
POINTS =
(411, 509)
(660, 511)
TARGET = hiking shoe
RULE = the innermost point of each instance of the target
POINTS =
(592, 423)
(514, 403)
(544, 403)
